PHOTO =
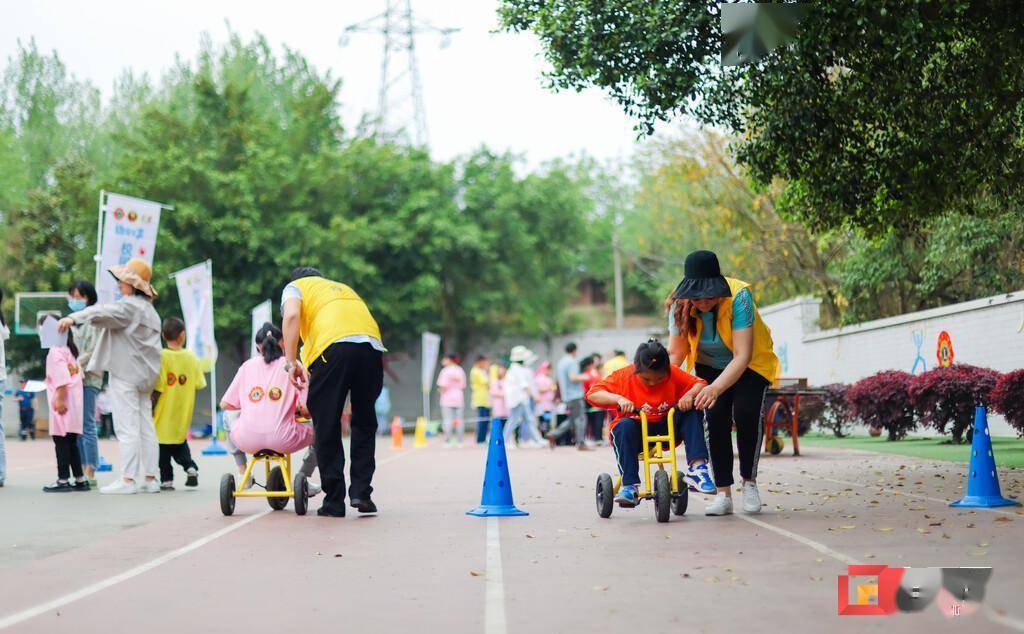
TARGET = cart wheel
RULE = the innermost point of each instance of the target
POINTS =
(276, 483)
(682, 498)
(662, 495)
(301, 486)
(605, 495)
(227, 494)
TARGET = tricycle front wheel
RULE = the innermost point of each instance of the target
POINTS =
(605, 495)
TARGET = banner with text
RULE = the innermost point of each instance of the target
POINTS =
(431, 350)
(195, 291)
(261, 314)
(129, 231)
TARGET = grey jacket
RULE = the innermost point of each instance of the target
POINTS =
(86, 337)
(129, 340)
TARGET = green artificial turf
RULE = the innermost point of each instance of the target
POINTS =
(1009, 452)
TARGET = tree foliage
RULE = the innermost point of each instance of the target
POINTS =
(879, 114)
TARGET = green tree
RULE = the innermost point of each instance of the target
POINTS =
(880, 113)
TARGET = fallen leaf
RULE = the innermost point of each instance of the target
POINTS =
(530, 536)
(978, 553)
(935, 524)
(684, 575)
(884, 529)
(970, 526)
(1003, 518)
(338, 555)
(945, 536)
(600, 588)
(476, 573)
(848, 526)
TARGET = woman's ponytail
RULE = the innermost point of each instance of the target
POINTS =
(268, 337)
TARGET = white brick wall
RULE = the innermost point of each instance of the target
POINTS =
(986, 332)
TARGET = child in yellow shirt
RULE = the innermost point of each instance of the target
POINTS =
(181, 376)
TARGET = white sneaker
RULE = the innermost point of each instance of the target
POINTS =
(721, 504)
(312, 488)
(751, 498)
(120, 487)
(149, 486)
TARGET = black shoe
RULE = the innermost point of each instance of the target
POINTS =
(81, 486)
(193, 478)
(325, 513)
(59, 487)
(364, 506)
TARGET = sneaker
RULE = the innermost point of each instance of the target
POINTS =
(363, 506)
(627, 497)
(119, 487)
(751, 498)
(82, 485)
(312, 488)
(166, 486)
(721, 504)
(59, 487)
(193, 477)
(149, 486)
(699, 478)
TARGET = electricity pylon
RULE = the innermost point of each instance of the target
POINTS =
(400, 111)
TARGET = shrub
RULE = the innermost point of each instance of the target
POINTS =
(1007, 398)
(945, 397)
(881, 400)
(835, 411)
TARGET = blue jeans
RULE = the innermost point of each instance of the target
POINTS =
(628, 441)
(483, 422)
(521, 417)
(88, 447)
(3, 437)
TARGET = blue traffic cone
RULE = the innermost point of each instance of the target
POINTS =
(496, 499)
(104, 465)
(982, 480)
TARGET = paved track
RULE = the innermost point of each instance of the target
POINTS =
(170, 562)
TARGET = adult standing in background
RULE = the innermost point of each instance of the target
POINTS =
(480, 397)
(5, 333)
(342, 354)
(451, 382)
(520, 393)
(715, 329)
(81, 295)
(570, 386)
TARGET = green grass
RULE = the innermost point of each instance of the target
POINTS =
(1009, 452)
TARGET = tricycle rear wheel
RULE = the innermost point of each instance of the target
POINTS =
(605, 495)
(682, 499)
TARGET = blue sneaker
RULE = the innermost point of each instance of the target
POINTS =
(699, 479)
(627, 496)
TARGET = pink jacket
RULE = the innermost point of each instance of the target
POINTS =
(452, 384)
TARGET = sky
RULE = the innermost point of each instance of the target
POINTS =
(485, 88)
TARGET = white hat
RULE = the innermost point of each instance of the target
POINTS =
(522, 354)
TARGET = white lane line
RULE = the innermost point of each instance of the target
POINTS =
(24, 615)
(888, 489)
(494, 601)
(806, 541)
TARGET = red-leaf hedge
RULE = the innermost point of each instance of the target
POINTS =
(946, 396)
(882, 400)
(1007, 398)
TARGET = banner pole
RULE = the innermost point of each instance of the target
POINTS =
(214, 448)
(99, 237)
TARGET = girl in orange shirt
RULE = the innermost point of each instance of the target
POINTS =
(653, 385)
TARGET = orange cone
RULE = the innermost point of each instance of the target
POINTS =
(396, 434)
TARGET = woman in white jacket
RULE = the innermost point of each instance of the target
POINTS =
(129, 349)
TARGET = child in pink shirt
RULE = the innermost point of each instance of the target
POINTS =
(267, 401)
(64, 393)
(451, 382)
(498, 407)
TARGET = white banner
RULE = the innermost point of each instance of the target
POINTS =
(195, 291)
(261, 314)
(129, 231)
(431, 350)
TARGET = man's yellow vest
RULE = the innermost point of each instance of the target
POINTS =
(330, 311)
(762, 359)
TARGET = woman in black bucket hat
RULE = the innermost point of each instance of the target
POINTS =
(716, 331)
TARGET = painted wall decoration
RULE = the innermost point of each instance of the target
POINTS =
(919, 362)
(944, 350)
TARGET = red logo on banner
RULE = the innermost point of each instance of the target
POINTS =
(119, 214)
(944, 351)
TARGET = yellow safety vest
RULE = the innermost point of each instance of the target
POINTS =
(762, 359)
(330, 311)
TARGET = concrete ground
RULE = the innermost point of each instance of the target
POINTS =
(172, 563)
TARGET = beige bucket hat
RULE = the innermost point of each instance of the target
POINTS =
(136, 273)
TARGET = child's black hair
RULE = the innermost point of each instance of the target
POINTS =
(651, 356)
(586, 363)
(269, 337)
(172, 328)
(86, 290)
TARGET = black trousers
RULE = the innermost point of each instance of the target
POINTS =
(344, 369)
(180, 454)
(68, 460)
(742, 404)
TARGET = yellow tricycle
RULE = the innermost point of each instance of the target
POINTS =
(670, 493)
(279, 487)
